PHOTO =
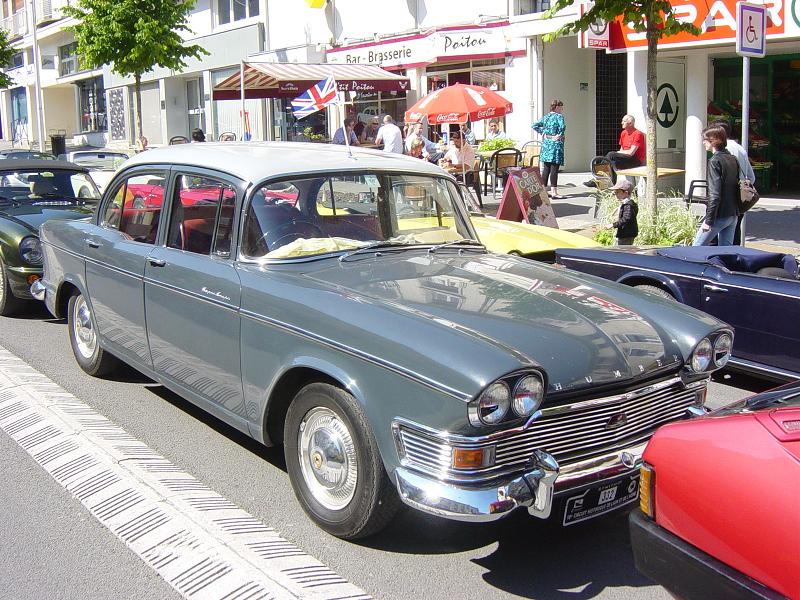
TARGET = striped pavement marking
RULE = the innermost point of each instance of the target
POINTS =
(198, 541)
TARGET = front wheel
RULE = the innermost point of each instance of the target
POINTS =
(83, 339)
(334, 463)
(9, 303)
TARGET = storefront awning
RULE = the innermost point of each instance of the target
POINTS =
(288, 80)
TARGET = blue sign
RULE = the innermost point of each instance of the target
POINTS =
(751, 30)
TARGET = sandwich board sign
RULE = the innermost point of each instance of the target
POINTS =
(525, 187)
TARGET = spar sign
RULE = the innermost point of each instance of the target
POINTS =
(716, 21)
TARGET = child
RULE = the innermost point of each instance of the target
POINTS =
(626, 225)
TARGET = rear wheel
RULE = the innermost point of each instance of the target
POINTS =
(83, 339)
(655, 290)
(9, 303)
(334, 463)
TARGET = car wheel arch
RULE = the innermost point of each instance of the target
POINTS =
(654, 279)
(65, 291)
(286, 386)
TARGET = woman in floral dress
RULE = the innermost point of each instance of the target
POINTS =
(552, 127)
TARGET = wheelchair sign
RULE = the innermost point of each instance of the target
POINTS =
(751, 29)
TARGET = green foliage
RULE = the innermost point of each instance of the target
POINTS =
(131, 35)
(634, 12)
(313, 137)
(6, 54)
(495, 144)
(673, 223)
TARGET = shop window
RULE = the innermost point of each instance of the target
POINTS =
(68, 59)
(369, 110)
(229, 11)
(93, 104)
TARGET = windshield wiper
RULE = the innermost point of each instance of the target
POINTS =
(373, 246)
(461, 242)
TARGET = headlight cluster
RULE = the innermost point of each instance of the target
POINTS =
(711, 352)
(512, 397)
(30, 249)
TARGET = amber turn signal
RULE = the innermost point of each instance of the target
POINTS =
(464, 458)
(647, 490)
(32, 278)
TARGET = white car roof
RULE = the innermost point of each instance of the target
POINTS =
(255, 161)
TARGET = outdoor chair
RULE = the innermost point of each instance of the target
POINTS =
(227, 136)
(499, 164)
(178, 139)
(600, 168)
(692, 196)
(532, 151)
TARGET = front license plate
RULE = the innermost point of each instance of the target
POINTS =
(601, 499)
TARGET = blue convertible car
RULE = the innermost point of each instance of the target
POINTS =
(757, 292)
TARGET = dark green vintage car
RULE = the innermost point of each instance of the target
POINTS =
(342, 306)
(31, 192)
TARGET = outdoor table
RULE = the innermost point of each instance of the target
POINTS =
(641, 174)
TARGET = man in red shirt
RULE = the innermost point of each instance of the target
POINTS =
(632, 150)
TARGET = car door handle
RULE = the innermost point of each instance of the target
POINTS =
(91, 243)
(714, 288)
(157, 262)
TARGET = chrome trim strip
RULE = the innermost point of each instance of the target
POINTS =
(192, 295)
(748, 365)
(673, 274)
(409, 374)
(114, 269)
(457, 439)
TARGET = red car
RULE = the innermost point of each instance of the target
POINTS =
(720, 502)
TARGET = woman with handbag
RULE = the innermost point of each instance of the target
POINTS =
(723, 191)
(552, 127)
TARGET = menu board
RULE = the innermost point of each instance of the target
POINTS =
(525, 198)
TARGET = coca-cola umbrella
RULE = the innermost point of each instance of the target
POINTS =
(457, 104)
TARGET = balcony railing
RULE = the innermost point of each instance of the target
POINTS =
(50, 10)
(17, 24)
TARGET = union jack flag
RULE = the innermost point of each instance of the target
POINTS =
(315, 98)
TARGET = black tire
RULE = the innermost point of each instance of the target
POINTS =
(83, 339)
(9, 303)
(655, 290)
(361, 500)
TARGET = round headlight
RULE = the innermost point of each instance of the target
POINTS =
(30, 249)
(701, 357)
(528, 395)
(722, 349)
(494, 403)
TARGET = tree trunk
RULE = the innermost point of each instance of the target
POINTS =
(652, 91)
(137, 90)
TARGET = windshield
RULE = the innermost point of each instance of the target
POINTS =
(330, 213)
(36, 186)
(100, 161)
(27, 154)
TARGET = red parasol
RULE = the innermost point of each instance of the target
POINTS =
(457, 103)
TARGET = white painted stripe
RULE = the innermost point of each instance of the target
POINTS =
(202, 544)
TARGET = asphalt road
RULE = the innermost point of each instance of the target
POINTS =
(51, 547)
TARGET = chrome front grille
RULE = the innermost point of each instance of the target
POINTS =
(578, 432)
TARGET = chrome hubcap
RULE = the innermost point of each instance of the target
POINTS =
(85, 337)
(328, 460)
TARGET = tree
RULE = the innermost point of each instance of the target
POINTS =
(657, 19)
(6, 55)
(133, 36)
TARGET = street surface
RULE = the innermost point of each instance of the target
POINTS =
(52, 547)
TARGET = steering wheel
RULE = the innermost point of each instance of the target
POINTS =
(280, 236)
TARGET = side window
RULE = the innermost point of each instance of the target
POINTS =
(135, 207)
(202, 212)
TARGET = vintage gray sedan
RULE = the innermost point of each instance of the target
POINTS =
(341, 305)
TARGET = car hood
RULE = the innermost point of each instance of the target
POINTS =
(504, 236)
(582, 330)
(31, 216)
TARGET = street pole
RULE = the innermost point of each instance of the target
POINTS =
(745, 129)
(38, 96)
(241, 82)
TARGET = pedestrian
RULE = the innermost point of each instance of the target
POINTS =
(722, 175)
(198, 135)
(632, 150)
(626, 224)
(552, 128)
(745, 169)
(390, 136)
(495, 133)
(338, 137)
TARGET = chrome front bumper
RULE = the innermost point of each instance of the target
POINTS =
(38, 290)
(536, 489)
